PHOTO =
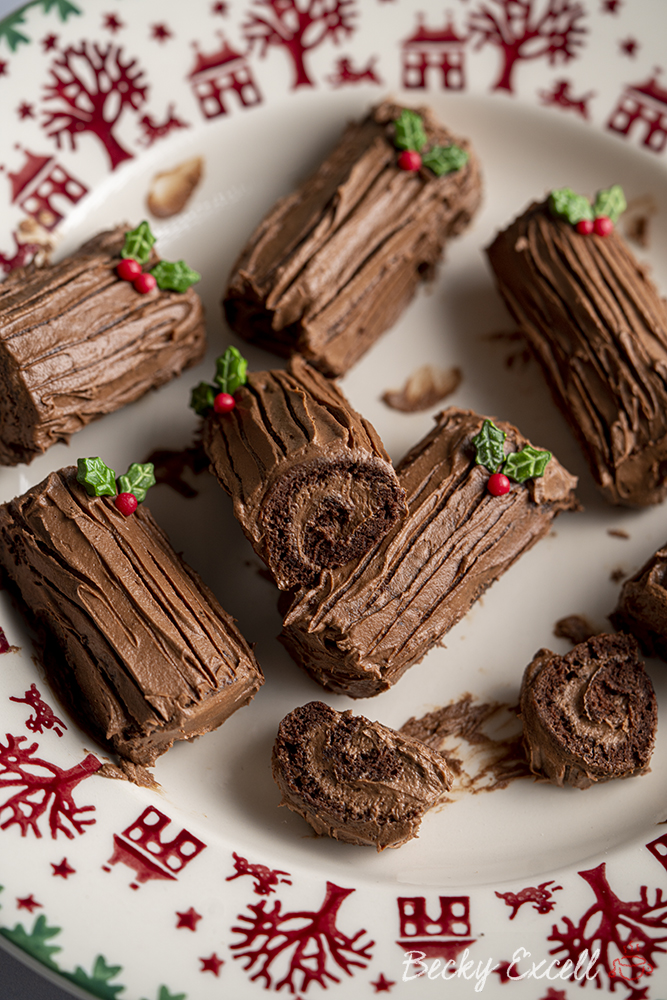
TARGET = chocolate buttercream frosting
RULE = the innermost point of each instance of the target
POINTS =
(642, 606)
(360, 627)
(590, 715)
(77, 342)
(312, 484)
(333, 264)
(598, 327)
(134, 643)
(355, 780)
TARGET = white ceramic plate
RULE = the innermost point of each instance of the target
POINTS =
(155, 932)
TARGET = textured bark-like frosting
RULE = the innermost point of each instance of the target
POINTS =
(331, 267)
(598, 327)
(353, 779)
(76, 343)
(361, 626)
(642, 606)
(135, 644)
(590, 715)
(311, 482)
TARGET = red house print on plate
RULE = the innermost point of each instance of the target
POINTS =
(39, 183)
(443, 936)
(142, 848)
(643, 105)
(436, 53)
(222, 72)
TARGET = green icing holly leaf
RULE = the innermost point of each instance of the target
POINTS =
(36, 942)
(567, 205)
(139, 243)
(230, 371)
(201, 398)
(137, 480)
(529, 463)
(98, 478)
(490, 446)
(176, 276)
(610, 202)
(445, 159)
(97, 981)
(410, 132)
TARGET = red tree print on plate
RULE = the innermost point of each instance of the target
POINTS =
(538, 895)
(266, 879)
(43, 717)
(528, 29)
(305, 944)
(42, 786)
(94, 85)
(298, 26)
(612, 925)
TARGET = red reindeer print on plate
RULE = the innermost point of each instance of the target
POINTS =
(562, 96)
(538, 895)
(266, 879)
(43, 718)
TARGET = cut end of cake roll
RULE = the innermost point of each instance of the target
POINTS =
(333, 264)
(642, 606)
(355, 780)
(590, 715)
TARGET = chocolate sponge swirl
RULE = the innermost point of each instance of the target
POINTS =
(353, 779)
(312, 485)
(598, 327)
(590, 715)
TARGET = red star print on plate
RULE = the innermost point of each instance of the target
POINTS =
(628, 46)
(49, 42)
(112, 23)
(383, 985)
(212, 964)
(610, 6)
(27, 903)
(64, 869)
(219, 8)
(501, 971)
(188, 919)
(160, 32)
(3, 68)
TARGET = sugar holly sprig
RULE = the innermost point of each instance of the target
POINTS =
(166, 275)
(410, 137)
(230, 374)
(598, 217)
(129, 490)
(528, 463)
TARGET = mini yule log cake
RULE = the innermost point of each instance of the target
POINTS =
(598, 327)
(333, 264)
(642, 606)
(590, 715)
(135, 644)
(355, 780)
(312, 485)
(83, 337)
(359, 628)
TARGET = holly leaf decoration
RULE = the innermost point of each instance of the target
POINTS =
(610, 202)
(63, 7)
(98, 479)
(137, 480)
(201, 398)
(529, 463)
(410, 132)
(566, 204)
(165, 994)
(36, 943)
(175, 277)
(445, 159)
(9, 31)
(490, 446)
(230, 371)
(139, 243)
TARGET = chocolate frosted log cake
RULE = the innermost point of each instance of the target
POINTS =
(598, 327)
(332, 266)
(77, 341)
(359, 627)
(590, 715)
(135, 645)
(642, 606)
(355, 780)
(312, 485)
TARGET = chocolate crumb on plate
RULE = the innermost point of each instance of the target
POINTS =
(426, 386)
(576, 628)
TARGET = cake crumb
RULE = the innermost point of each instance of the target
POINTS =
(522, 354)
(617, 574)
(424, 388)
(125, 770)
(576, 628)
(636, 219)
(617, 533)
(170, 190)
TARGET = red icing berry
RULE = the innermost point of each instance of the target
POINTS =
(126, 503)
(409, 160)
(128, 269)
(144, 282)
(224, 403)
(498, 485)
(603, 225)
(585, 227)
